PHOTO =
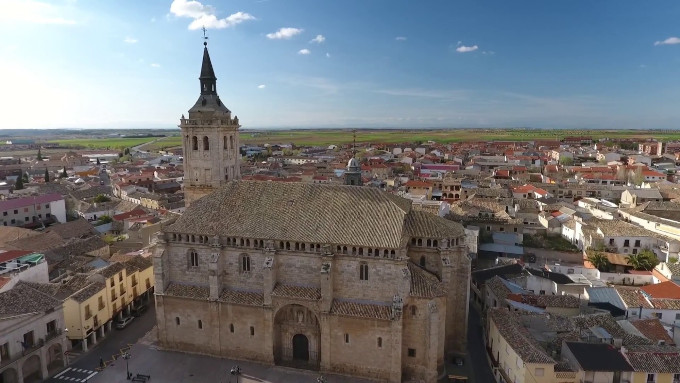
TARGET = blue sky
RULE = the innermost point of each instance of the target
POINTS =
(349, 63)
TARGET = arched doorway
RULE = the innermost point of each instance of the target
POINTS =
(32, 370)
(297, 337)
(300, 347)
(55, 358)
(9, 376)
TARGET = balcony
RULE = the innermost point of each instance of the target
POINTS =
(134, 282)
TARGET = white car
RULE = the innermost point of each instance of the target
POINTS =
(121, 324)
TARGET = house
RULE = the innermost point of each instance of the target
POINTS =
(21, 265)
(529, 191)
(653, 364)
(32, 341)
(635, 197)
(31, 211)
(596, 362)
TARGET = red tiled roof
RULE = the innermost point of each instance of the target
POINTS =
(28, 201)
(663, 290)
(131, 213)
(13, 254)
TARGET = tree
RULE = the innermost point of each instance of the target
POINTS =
(63, 173)
(104, 219)
(101, 198)
(98, 163)
(566, 161)
(40, 158)
(599, 260)
(644, 260)
(19, 184)
(126, 151)
(47, 175)
(24, 177)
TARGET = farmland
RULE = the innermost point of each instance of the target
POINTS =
(103, 143)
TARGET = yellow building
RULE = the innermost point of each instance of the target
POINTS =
(516, 357)
(657, 364)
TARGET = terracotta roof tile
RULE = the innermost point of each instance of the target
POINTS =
(241, 297)
(653, 330)
(425, 284)
(361, 310)
(187, 291)
(654, 359)
(302, 292)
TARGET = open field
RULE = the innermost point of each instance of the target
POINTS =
(104, 143)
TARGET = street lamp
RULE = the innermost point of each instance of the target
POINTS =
(127, 356)
(321, 379)
(236, 370)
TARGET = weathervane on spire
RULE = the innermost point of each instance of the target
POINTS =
(205, 37)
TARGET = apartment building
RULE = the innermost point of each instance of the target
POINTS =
(31, 211)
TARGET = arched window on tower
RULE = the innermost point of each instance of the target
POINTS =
(231, 142)
(194, 143)
(245, 263)
(206, 143)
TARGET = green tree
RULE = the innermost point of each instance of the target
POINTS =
(19, 184)
(644, 260)
(126, 151)
(599, 260)
(566, 161)
(637, 178)
(47, 175)
(104, 219)
(101, 198)
(40, 158)
(63, 173)
(24, 177)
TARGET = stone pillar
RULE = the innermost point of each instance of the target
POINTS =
(456, 277)
(396, 329)
(85, 344)
(326, 280)
(213, 276)
(101, 330)
(160, 321)
(94, 337)
(268, 346)
(269, 272)
(325, 339)
(43, 363)
(159, 265)
(432, 343)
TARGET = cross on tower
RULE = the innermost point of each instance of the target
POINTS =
(205, 37)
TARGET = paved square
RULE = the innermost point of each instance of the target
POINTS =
(176, 367)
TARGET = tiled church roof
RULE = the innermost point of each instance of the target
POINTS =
(361, 310)
(333, 214)
(424, 284)
(302, 292)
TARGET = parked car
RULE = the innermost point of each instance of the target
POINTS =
(139, 310)
(121, 324)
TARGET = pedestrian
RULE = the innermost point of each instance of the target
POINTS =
(101, 362)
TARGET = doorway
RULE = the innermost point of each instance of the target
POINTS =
(300, 347)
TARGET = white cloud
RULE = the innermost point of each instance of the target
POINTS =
(155, 65)
(284, 33)
(318, 39)
(304, 51)
(31, 11)
(205, 15)
(261, 86)
(669, 41)
(464, 49)
(328, 55)
(490, 53)
(400, 38)
(130, 40)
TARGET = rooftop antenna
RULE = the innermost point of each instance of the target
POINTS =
(205, 37)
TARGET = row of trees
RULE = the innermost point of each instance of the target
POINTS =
(19, 184)
(644, 260)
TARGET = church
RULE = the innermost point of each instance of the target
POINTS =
(338, 279)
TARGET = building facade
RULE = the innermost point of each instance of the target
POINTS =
(209, 140)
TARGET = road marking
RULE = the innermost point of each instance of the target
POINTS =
(62, 373)
(91, 375)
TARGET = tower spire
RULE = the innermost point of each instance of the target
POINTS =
(207, 78)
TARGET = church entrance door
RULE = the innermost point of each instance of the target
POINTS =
(300, 347)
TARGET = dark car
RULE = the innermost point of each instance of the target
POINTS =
(139, 310)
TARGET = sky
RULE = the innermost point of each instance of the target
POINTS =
(609, 64)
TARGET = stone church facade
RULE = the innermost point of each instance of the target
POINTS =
(336, 278)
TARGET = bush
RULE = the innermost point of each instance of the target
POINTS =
(101, 198)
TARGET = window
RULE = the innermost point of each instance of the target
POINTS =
(4, 352)
(252, 331)
(101, 303)
(611, 241)
(542, 292)
(677, 316)
(206, 143)
(539, 372)
(657, 315)
(637, 243)
(88, 313)
(245, 263)
(4, 214)
(626, 243)
(231, 328)
(346, 338)
(193, 258)
(16, 211)
(379, 342)
(414, 310)
(422, 261)
(412, 352)
(676, 378)
(47, 206)
(200, 324)
(363, 271)
(194, 143)
(651, 378)
(120, 277)
(177, 321)
(25, 210)
(51, 327)
(29, 340)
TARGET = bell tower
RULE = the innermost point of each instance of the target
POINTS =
(210, 139)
